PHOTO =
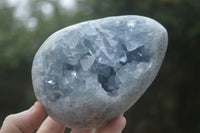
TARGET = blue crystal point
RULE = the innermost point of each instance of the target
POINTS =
(89, 73)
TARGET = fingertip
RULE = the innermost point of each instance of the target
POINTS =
(51, 126)
(115, 126)
(37, 109)
(35, 113)
(122, 122)
(37, 105)
(83, 131)
(32, 118)
(118, 123)
(122, 119)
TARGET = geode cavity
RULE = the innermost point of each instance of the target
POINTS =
(89, 73)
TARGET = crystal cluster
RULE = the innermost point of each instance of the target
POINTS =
(89, 73)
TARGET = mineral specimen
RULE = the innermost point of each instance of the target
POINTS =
(89, 73)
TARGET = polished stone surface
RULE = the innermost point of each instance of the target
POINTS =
(89, 73)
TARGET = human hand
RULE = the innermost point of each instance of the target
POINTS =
(30, 120)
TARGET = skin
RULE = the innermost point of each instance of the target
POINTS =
(32, 119)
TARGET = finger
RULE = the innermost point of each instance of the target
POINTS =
(51, 126)
(24, 122)
(115, 126)
(83, 131)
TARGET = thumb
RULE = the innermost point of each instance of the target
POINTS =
(24, 122)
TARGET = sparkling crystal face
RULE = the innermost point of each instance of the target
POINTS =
(90, 73)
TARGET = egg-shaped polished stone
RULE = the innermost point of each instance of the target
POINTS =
(89, 73)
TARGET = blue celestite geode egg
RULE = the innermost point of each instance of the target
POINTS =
(89, 73)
